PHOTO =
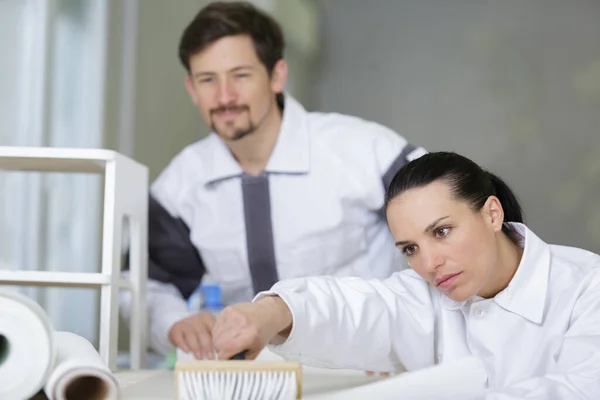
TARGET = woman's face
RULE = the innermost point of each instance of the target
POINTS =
(447, 243)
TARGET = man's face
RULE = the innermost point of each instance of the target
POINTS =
(232, 88)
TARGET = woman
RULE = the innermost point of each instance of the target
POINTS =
(481, 284)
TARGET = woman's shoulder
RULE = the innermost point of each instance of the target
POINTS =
(578, 260)
(574, 267)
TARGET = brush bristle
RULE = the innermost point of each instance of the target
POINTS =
(240, 380)
(242, 385)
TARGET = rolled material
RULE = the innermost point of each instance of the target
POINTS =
(26, 346)
(33, 356)
(79, 372)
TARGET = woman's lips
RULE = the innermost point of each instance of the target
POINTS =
(447, 281)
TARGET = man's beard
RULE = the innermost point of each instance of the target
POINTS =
(239, 133)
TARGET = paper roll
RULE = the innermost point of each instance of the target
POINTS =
(33, 356)
(26, 347)
(79, 372)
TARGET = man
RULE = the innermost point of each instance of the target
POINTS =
(274, 192)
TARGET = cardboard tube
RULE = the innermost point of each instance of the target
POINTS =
(79, 372)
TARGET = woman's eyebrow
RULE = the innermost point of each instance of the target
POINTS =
(429, 228)
(434, 223)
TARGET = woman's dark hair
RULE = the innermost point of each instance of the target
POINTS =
(223, 18)
(467, 181)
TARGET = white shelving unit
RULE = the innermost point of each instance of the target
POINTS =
(125, 195)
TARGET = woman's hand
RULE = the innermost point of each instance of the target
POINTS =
(250, 327)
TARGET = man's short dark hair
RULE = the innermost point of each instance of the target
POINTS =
(221, 19)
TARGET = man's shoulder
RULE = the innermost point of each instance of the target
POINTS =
(334, 125)
(194, 154)
(341, 129)
(187, 166)
(355, 137)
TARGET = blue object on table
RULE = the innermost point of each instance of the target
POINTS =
(212, 297)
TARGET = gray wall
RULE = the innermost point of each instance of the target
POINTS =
(513, 84)
(164, 118)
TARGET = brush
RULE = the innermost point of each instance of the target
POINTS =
(237, 378)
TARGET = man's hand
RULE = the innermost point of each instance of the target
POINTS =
(194, 335)
(250, 327)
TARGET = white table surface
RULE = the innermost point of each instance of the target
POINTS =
(460, 379)
(159, 384)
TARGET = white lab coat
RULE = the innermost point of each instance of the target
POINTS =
(538, 339)
(327, 177)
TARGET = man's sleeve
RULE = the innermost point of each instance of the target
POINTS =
(175, 269)
(408, 153)
(391, 151)
(172, 257)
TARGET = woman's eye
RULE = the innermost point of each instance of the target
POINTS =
(409, 250)
(241, 75)
(442, 232)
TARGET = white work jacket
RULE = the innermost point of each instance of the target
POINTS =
(326, 182)
(539, 338)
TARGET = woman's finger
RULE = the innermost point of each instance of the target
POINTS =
(234, 344)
